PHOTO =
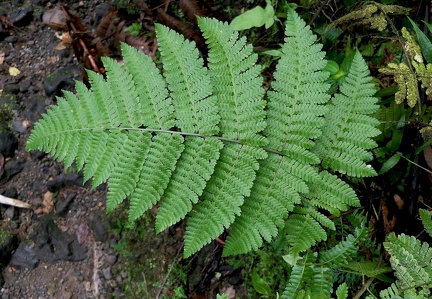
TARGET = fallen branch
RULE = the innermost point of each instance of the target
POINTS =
(14, 202)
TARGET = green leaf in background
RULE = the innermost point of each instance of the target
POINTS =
(342, 291)
(332, 67)
(390, 163)
(256, 17)
(424, 42)
(260, 285)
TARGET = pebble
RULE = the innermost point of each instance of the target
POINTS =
(107, 273)
(25, 256)
(21, 16)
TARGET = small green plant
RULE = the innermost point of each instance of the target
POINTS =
(135, 29)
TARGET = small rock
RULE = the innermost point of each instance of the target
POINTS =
(8, 143)
(52, 244)
(11, 168)
(107, 273)
(63, 180)
(62, 205)
(11, 39)
(9, 213)
(110, 259)
(25, 257)
(24, 85)
(99, 225)
(18, 126)
(6, 245)
(21, 16)
(61, 78)
(35, 106)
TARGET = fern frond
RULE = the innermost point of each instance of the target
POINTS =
(294, 119)
(128, 167)
(196, 109)
(346, 137)
(321, 283)
(411, 261)
(157, 110)
(223, 196)
(332, 194)
(236, 80)
(344, 251)
(155, 173)
(193, 170)
(426, 219)
(301, 273)
(303, 232)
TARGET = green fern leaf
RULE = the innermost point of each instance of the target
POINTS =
(193, 170)
(300, 273)
(236, 82)
(342, 252)
(294, 119)
(202, 141)
(303, 232)
(342, 291)
(223, 195)
(347, 137)
(426, 219)
(189, 82)
(157, 110)
(411, 260)
(155, 173)
(321, 283)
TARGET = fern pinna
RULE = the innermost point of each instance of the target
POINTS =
(203, 141)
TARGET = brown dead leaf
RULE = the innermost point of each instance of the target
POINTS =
(399, 201)
(389, 224)
(48, 203)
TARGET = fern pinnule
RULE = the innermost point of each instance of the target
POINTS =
(157, 109)
(236, 80)
(332, 194)
(411, 260)
(346, 137)
(303, 233)
(155, 173)
(425, 216)
(122, 86)
(224, 194)
(196, 109)
(193, 170)
(344, 250)
(124, 180)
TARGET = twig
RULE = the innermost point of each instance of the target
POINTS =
(169, 272)
(14, 202)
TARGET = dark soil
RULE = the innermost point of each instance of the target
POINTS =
(65, 246)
